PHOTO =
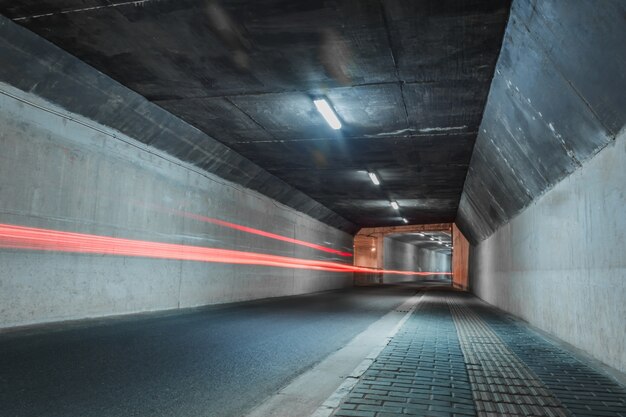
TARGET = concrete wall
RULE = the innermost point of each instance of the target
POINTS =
(406, 257)
(556, 99)
(560, 264)
(61, 171)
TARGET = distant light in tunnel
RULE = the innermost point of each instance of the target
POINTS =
(394, 205)
(374, 178)
(328, 113)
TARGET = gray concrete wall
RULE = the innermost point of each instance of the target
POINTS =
(406, 257)
(556, 99)
(61, 171)
(560, 264)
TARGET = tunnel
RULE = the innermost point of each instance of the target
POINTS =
(369, 208)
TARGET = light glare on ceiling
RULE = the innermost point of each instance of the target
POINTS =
(405, 220)
(328, 113)
(395, 205)
(374, 178)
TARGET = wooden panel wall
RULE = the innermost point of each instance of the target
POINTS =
(368, 252)
(460, 260)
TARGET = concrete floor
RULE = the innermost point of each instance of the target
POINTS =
(451, 355)
(220, 361)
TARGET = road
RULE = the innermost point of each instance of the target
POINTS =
(218, 361)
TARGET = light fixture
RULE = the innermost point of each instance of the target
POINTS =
(327, 112)
(374, 178)
(395, 205)
(421, 234)
(432, 238)
(405, 220)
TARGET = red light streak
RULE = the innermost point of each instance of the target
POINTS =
(30, 238)
(263, 233)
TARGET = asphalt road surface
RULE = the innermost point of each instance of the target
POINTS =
(218, 361)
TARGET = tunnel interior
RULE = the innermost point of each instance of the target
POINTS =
(430, 252)
(223, 207)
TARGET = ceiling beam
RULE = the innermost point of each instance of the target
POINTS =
(386, 230)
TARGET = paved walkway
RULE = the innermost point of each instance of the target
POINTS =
(457, 357)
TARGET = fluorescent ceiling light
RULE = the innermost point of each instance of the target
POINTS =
(328, 113)
(394, 205)
(374, 178)
(405, 220)
(432, 238)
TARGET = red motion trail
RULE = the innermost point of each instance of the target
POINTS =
(263, 233)
(30, 238)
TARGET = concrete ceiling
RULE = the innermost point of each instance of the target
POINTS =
(426, 240)
(409, 80)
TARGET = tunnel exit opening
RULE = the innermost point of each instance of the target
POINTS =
(438, 248)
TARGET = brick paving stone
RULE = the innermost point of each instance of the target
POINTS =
(490, 363)
(421, 372)
(458, 357)
(579, 387)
